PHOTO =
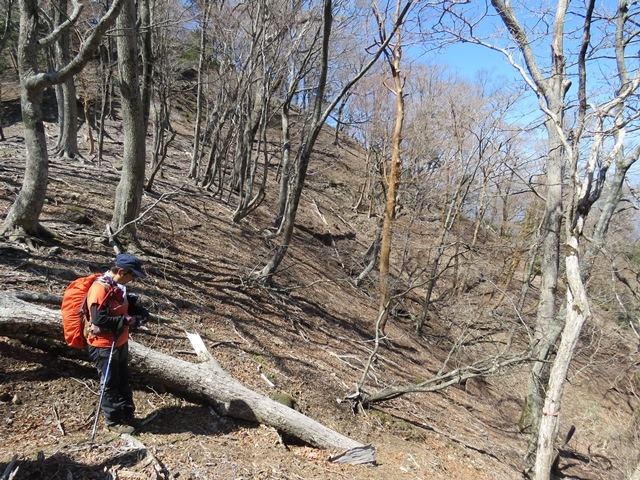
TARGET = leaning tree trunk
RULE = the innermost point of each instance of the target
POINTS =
(395, 170)
(317, 121)
(207, 381)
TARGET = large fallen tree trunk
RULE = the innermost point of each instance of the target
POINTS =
(207, 381)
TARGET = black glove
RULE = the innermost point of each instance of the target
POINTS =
(136, 310)
(141, 316)
(132, 299)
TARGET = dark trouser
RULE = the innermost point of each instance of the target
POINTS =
(117, 402)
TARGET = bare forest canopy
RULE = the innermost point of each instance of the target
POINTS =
(385, 242)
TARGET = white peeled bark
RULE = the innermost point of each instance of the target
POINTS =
(577, 314)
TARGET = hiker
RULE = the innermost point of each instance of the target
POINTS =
(111, 323)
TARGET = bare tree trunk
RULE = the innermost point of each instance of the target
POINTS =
(3, 42)
(577, 314)
(450, 214)
(129, 191)
(105, 88)
(22, 218)
(67, 147)
(146, 55)
(394, 57)
(549, 323)
(317, 121)
(372, 252)
(163, 134)
(285, 173)
(195, 155)
(551, 93)
(87, 117)
(339, 122)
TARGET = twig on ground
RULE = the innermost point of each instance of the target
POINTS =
(141, 216)
(57, 417)
(149, 459)
(94, 392)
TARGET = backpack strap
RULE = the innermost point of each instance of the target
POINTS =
(112, 288)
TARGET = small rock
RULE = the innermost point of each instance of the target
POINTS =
(16, 400)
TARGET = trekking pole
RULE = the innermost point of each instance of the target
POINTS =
(103, 385)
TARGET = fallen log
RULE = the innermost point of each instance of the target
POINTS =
(57, 300)
(207, 381)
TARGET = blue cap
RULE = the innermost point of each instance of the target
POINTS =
(130, 262)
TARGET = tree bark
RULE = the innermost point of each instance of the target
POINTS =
(22, 218)
(195, 154)
(67, 146)
(317, 121)
(394, 57)
(551, 93)
(129, 191)
(206, 382)
(146, 54)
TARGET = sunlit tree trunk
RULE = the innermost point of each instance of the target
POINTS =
(551, 93)
(394, 56)
(22, 219)
(196, 154)
(129, 190)
(67, 105)
(586, 183)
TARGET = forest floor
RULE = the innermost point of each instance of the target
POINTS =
(310, 337)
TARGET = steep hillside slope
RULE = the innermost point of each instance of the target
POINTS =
(311, 336)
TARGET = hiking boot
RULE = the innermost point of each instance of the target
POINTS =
(121, 429)
(134, 422)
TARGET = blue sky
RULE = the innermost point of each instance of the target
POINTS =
(467, 59)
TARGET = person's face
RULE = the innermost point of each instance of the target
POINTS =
(125, 276)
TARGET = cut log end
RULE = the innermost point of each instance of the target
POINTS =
(356, 456)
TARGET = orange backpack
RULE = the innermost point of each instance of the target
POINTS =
(74, 309)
